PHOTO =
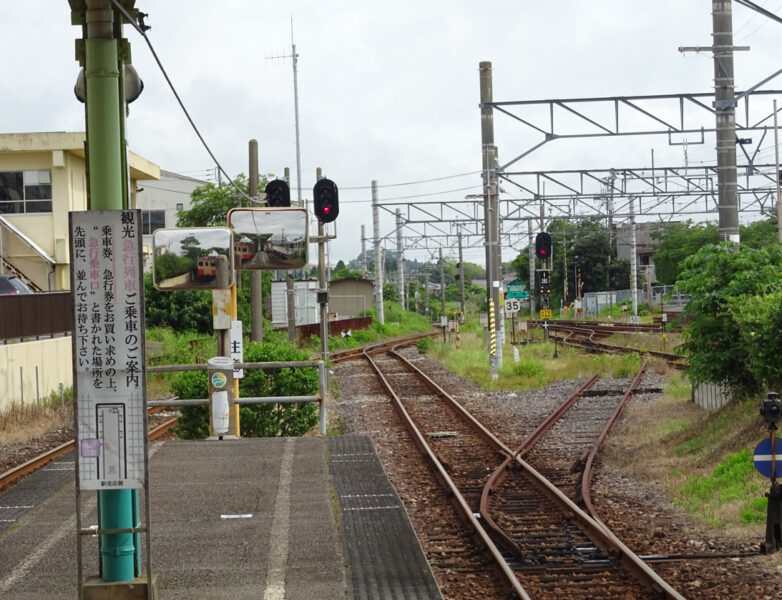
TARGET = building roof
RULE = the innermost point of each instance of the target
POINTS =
(350, 279)
(73, 142)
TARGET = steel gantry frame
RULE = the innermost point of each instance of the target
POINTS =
(662, 193)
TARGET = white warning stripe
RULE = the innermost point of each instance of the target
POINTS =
(767, 457)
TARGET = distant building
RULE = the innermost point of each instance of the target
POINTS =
(305, 302)
(42, 178)
(161, 200)
(645, 246)
(351, 297)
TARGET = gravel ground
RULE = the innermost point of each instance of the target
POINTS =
(640, 512)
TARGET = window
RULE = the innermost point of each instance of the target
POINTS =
(25, 192)
(180, 206)
(151, 220)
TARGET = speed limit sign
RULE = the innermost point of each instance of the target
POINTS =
(512, 305)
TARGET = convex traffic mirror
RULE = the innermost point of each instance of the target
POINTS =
(198, 258)
(269, 238)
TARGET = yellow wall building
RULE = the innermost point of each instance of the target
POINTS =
(42, 178)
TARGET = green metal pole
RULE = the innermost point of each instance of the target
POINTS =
(104, 147)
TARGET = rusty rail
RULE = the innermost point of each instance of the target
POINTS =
(586, 479)
(13, 475)
(458, 498)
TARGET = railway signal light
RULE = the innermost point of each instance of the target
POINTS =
(277, 193)
(325, 199)
(543, 245)
(771, 409)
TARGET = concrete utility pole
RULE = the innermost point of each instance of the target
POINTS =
(378, 259)
(442, 284)
(776, 161)
(491, 208)
(426, 290)
(256, 281)
(363, 252)
(461, 277)
(400, 260)
(725, 107)
(323, 293)
(633, 259)
(532, 281)
(725, 112)
(295, 61)
(290, 299)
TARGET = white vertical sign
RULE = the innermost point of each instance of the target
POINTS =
(108, 348)
(237, 347)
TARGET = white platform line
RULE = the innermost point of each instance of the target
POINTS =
(278, 541)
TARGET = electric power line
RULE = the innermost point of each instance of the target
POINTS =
(369, 187)
(142, 31)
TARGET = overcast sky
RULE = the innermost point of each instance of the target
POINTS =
(387, 90)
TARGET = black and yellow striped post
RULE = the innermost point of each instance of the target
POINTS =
(492, 341)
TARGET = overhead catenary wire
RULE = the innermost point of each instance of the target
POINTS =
(387, 185)
(472, 187)
(142, 32)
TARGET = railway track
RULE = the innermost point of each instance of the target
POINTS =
(559, 551)
(589, 336)
(11, 476)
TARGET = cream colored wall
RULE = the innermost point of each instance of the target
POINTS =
(49, 231)
(55, 366)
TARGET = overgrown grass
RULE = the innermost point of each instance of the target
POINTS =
(536, 367)
(732, 487)
(397, 323)
(26, 421)
(703, 459)
(167, 347)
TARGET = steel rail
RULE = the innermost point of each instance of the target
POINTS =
(467, 512)
(604, 536)
(350, 353)
(598, 532)
(596, 529)
(15, 474)
(588, 474)
(674, 360)
(498, 475)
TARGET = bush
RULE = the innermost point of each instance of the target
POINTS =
(261, 420)
(529, 367)
(193, 422)
(181, 310)
(627, 365)
(424, 344)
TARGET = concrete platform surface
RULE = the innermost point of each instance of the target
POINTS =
(238, 519)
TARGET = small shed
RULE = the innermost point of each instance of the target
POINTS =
(351, 297)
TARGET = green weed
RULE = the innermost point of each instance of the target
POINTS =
(731, 481)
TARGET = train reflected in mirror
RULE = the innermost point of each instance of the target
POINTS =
(269, 238)
(198, 258)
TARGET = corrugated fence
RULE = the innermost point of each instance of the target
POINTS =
(25, 316)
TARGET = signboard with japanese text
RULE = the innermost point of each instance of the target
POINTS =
(545, 314)
(237, 347)
(108, 348)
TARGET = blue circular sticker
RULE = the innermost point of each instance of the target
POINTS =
(219, 380)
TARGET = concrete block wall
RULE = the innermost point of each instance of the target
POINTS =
(32, 370)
